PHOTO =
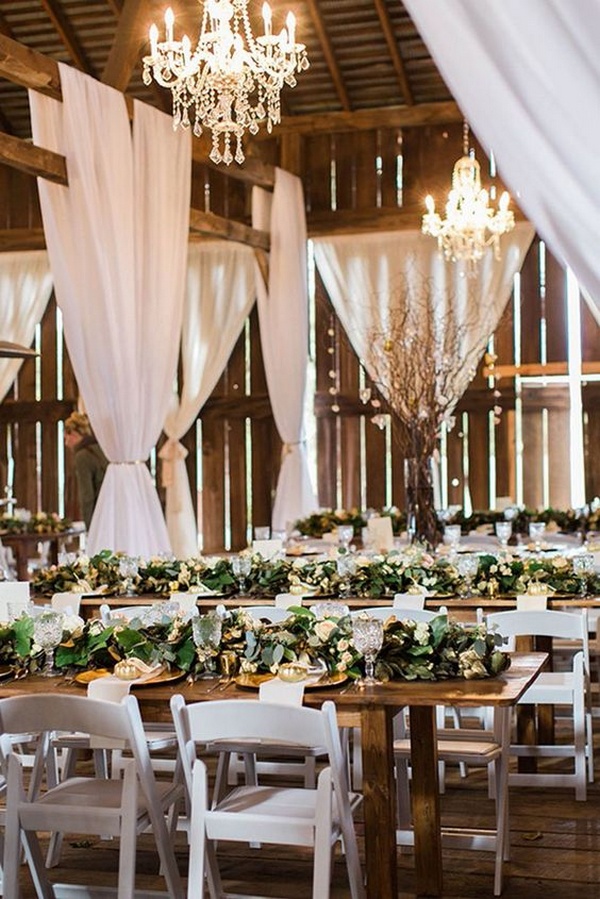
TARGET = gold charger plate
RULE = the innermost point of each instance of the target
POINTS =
(165, 677)
(253, 681)
(6, 671)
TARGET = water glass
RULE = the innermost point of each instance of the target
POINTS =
(206, 631)
(452, 536)
(345, 533)
(128, 569)
(262, 533)
(467, 566)
(330, 609)
(367, 637)
(47, 633)
(241, 567)
(583, 567)
(537, 530)
(504, 533)
(346, 568)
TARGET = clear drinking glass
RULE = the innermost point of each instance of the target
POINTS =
(452, 536)
(330, 609)
(241, 567)
(346, 567)
(467, 566)
(367, 637)
(262, 533)
(537, 529)
(128, 569)
(504, 533)
(583, 567)
(206, 631)
(47, 633)
(345, 533)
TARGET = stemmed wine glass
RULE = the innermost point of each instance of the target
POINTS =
(346, 567)
(467, 566)
(128, 569)
(452, 534)
(583, 566)
(241, 567)
(536, 533)
(47, 633)
(206, 631)
(367, 637)
(504, 533)
(345, 533)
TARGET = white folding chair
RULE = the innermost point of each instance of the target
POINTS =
(88, 805)
(270, 613)
(474, 747)
(109, 615)
(268, 814)
(68, 603)
(562, 688)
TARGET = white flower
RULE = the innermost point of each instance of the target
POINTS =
(422, 633)
(73, 624)
(324, 629)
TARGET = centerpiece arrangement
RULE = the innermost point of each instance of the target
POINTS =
(370, 576)
(22, 521)
(410, 650)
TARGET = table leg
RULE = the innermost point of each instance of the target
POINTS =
(425, 801)
(379, 804)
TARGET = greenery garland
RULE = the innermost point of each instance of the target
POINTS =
(430, 651)
(24, 522)
(374, 576)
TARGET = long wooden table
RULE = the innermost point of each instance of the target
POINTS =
(24, 545)
(376, 707)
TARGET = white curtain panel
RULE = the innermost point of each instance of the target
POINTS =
(526, 73)
(117, 240)
(220, 293)
(371, 277)
(283, 316)
(25, 288)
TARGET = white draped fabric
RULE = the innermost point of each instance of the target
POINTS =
(25, 288)
(219, 296)
(117, 241)
(283, 315)
(539, 64)
(370, 277)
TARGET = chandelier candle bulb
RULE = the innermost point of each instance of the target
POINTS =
(169, 21)
(266, 12)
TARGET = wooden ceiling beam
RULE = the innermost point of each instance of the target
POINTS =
(332, 64)
(67, 35)
(116, 6)
(37, 161)
(32, 70)
(5, 27)
(208, 223)
(442, 113)
(397, 61)
(130, 36)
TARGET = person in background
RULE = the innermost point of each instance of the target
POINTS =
(90, 462)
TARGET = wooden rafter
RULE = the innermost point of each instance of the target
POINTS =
(214, 225)
(397, 61)
(68, 36)
(31, 159)
(5, 27)
(442, 113)
(332, 65)
(131, 35)
(33, 70)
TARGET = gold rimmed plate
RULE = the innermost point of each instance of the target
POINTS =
(163, 677)
(253, 681)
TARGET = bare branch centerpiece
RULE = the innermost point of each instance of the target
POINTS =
(422, 356)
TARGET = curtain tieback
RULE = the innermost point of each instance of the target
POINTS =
(287, 448)
(132, 462)
(171, 452)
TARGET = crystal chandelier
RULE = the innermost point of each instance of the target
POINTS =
(232, 81)
(470, 224)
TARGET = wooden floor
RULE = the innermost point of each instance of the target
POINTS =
(555, 853)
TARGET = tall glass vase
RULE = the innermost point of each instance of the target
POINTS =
(422, 523)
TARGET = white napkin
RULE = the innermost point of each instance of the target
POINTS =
(282, 692)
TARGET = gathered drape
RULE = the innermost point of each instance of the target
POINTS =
(117, 241)
(372, 277)
(283, 316)
(25, 288)
(540, 65)
(220, 293)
